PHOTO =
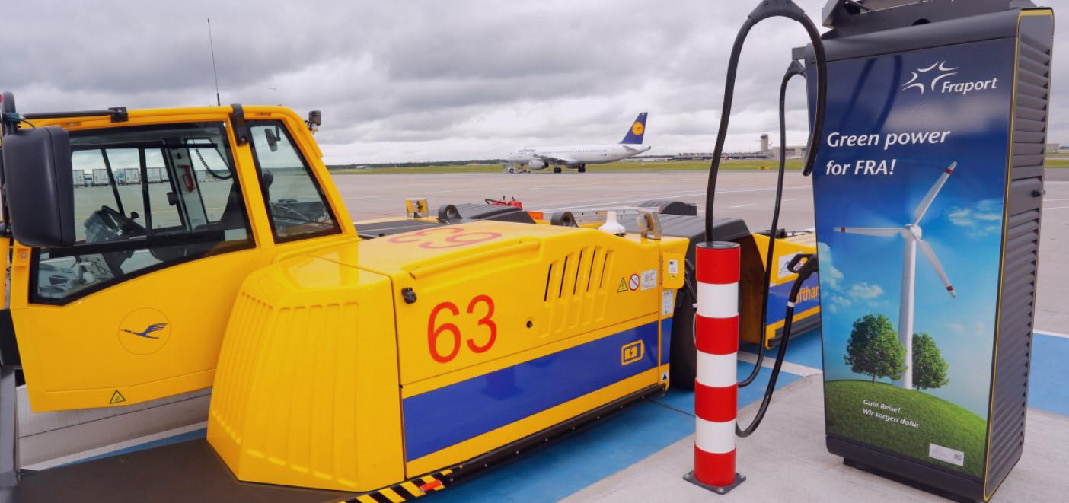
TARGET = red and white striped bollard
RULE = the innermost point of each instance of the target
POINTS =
(716, 332)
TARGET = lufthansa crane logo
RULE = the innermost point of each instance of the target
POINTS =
(144, 331)
(147, 332)
(637, 128)
(926, 79)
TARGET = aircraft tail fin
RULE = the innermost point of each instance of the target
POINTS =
(635, 132)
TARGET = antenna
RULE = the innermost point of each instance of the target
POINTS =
(215, 72)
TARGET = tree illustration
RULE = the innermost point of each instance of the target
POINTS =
(873, 348)
(929, 367)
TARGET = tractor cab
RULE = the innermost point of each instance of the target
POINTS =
(121, 288)
(185, 203)
(171, 196)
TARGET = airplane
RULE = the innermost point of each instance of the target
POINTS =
(578, 156)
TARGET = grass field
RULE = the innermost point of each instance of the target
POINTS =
(938, 421)
(1058, 162)
(614, 166)
(793, 164)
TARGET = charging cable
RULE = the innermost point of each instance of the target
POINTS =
(795, 69)
(804, 270)
(767, 9)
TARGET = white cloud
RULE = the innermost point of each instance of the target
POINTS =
(828, 273)
(978, 329)
(865, 291)
(406, 80)
(835, 301)
(981, 218)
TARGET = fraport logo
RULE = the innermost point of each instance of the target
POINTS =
(937, 79)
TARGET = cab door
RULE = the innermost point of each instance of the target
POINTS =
(137, 308)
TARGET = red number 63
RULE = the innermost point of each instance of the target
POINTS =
(453, 237)
(436, 331)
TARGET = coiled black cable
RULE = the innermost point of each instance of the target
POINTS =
(795, 69)
(767, 9)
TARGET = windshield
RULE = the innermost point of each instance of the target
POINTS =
(144, 197)
(295, 202)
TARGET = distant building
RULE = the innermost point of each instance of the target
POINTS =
(1053, 148)
(747, 155)
(793, 152)
(693, 156)
(764, 143)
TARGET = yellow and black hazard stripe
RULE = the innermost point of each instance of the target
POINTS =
(407, 490)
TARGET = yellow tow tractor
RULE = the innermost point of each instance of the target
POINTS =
(351, 368)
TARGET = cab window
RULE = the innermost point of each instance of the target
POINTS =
(295, 202)
(145, 198)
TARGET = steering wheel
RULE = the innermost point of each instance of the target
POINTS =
(122, 225)
(106, 225)
(281, 210)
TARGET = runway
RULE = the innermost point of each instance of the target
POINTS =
(741, 194)
(746, 195)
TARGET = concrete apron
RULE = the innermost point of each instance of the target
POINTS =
(785, 460)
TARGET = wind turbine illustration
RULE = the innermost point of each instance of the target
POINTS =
(912, 236)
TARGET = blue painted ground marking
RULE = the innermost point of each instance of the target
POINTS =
(1046, 384)
(605, 448)
(184, 437)
(641, 430)
(804, 349)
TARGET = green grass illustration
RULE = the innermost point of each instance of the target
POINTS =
(938, 422)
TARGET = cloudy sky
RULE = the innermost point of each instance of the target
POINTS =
(402, 80)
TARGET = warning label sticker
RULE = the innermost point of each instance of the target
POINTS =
(668, 303)
(633, 282)
(623, 285)
(117, 398)
(649, 279)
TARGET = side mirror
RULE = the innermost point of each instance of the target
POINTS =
(39, 186)
(314, 120)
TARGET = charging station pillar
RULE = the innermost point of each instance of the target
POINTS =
(716, 332)
(928, 198)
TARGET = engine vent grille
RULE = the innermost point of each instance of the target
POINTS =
(576, 288)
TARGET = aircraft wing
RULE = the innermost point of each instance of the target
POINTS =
(556, 159)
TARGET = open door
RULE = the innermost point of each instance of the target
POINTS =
(136, 308)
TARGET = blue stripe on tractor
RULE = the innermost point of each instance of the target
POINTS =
(777, 299)
(446, 416)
